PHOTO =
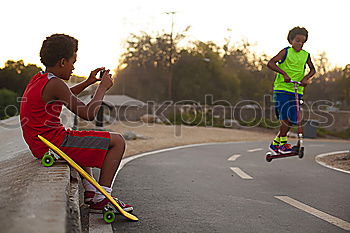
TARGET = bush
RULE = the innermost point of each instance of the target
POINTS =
(321, 132)
(8, 103)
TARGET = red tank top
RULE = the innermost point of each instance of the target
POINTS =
(40, 118)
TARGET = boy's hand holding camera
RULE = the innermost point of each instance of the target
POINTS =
(105, 77)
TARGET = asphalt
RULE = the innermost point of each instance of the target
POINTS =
(194, 190)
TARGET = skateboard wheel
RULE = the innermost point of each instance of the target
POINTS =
(109, 216)
(47, 160)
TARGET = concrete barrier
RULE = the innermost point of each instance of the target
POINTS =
(36, 198)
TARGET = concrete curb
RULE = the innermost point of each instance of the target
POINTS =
(317, 159)
(38, 199)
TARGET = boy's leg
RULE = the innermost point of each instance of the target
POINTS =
(284, 147)
(109, 168)
(112, 160)
(284, 128)
(90, 190)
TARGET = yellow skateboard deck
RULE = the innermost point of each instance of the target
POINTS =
(88, 177)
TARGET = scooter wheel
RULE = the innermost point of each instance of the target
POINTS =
(268, 159)
(301, 154)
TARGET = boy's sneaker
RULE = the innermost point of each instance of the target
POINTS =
(274, 148)
(98, 207)
(88, 196)
(285, 149)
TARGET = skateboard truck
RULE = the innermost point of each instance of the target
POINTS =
(49, 158)
(109, 213)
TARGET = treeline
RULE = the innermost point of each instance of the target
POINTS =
(157, 68)
(14, 77)
(163, 67)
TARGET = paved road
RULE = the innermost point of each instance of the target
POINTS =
(199, 189)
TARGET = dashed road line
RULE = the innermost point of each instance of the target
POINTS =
(241, 173)
(255, 150)
(324, 216)
(233, 157)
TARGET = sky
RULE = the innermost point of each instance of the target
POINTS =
(102, 26)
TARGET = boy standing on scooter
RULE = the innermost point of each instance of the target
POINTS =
(291, 67)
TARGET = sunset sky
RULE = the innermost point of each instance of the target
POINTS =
(102, 26)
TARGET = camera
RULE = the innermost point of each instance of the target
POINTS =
(101, 73)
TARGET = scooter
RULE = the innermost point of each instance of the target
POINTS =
(298, 149)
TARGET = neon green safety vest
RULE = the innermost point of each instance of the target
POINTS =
(294, 65)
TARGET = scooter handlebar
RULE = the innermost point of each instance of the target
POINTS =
(296, 82)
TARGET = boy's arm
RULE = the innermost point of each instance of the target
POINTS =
(60, 91)
(311, 73)
(77, 89)
(272, 64)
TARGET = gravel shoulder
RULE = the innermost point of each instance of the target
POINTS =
(159, 136)
(337, 161)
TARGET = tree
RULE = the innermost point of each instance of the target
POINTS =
(344, 85)
(146, 65)
(15, 75)
(8, 103)
(200, 71)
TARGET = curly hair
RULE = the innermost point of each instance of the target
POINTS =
(56, 47)
(297, 31)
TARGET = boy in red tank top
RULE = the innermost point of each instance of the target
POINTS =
(42, 104)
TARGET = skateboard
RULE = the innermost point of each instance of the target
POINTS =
(112, 208)
(295, 152)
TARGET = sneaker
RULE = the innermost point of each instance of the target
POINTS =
(98, 207)
(274, 148)
(88, 196)
(285, 149)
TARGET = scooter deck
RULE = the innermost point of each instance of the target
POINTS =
(88, 177)
(270, 156)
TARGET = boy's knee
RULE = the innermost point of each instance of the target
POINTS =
(117, 140)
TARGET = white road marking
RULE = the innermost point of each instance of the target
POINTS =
(131, 158)
(255, 150)
(233, 157)
(98, 225)
(324, 216)
(241, 173)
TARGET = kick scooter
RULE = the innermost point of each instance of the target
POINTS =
(298, 149)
